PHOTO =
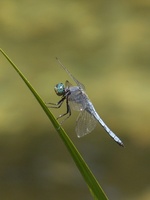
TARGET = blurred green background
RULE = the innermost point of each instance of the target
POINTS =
(106, 45)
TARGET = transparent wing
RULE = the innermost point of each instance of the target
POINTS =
(68, 84)
(73, 78)
(77, 98)
(85, 123)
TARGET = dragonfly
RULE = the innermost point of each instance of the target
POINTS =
(77, 99)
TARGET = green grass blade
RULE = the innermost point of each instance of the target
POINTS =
(91, 181)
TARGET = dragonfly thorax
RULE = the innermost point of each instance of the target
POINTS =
(60, 89)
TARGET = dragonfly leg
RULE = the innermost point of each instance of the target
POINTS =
(56, 105)
(67, 112)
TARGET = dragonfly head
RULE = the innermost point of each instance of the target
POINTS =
(60, 89)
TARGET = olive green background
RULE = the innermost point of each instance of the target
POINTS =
(106, 45)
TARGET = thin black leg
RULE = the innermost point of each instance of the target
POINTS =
(58, 104)
(67, 112)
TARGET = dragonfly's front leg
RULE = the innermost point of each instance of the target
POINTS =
(56, 105)
(67, 112)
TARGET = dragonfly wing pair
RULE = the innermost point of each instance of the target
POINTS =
(78, 101)
(85, 123)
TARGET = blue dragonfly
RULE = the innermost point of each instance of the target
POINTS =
(77, 99)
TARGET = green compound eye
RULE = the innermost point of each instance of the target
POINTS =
(60, 89)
